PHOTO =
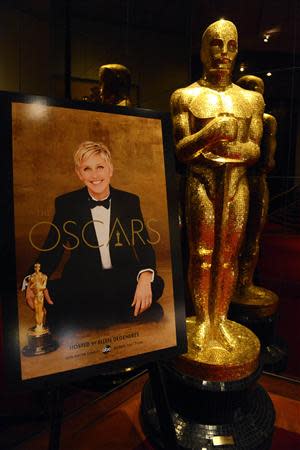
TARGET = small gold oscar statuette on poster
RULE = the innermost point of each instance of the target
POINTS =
(40, 340)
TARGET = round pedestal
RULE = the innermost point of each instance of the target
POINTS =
(39, 344)
(255, 301)
(273, 349)
(214, 361)
(211, 414)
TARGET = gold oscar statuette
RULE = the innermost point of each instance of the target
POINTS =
(218, 127)
(256, 301)
(212, 389)
(39, 337)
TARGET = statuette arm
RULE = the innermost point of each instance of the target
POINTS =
(190, 146)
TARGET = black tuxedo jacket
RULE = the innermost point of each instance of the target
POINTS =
(72, 231)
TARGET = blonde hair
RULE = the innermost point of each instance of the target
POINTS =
(90, 148)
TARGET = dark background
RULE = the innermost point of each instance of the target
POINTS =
(55, 47)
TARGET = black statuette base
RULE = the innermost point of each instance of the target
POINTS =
(39, 345)
(223, 415)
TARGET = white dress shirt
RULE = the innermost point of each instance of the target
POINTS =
(101, 221)
(101, 218)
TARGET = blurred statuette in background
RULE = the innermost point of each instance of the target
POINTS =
(246, 292)
(114, 86)
(254, 306)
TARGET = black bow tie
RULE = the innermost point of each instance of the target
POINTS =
(94, 203)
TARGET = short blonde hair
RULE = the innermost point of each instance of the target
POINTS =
(90, 148)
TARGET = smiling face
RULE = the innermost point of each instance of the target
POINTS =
(95, 172)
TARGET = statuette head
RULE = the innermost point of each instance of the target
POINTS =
(252, 83)
(114, 83)
(219, 47)
(37, 267)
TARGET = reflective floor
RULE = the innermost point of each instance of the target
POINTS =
(111, 421)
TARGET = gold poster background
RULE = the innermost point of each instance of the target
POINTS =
(44, 139)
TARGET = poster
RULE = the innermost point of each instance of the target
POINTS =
(95, 319)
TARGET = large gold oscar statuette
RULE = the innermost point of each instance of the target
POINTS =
(39, 337)
(213, 393)
(217, 127)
